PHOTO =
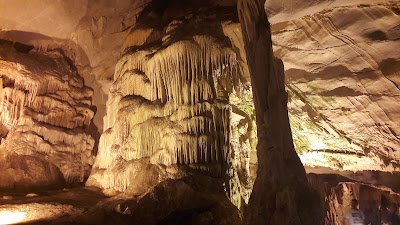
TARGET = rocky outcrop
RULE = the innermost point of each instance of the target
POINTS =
(91, 32)
(45, 119)
(180, 103)
(344, 92)
(325, 35)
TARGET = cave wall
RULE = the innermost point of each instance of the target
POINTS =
(344, 92)
(45, 118)
(281, 193)
(90, 32)
(182, 72)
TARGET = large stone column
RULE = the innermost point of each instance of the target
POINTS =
(281, 193)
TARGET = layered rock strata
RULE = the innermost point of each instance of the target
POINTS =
(344, 92)
(45, 117)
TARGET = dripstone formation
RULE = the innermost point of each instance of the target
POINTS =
(45, 117)
(174, 109)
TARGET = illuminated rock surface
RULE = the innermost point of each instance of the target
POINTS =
(366, 60)
(281, 193)
(344, 92)
(45, 116)
(174, 107)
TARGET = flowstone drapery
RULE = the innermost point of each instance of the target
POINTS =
(171, 108)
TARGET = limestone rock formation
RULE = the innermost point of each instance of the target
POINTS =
(344, 92)
(183, 202)
(174, 106)
(45, 118)
(90, 32)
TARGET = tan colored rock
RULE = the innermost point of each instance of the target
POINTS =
(45, 115)
(344, 92)
(92, 33)
(176, 104)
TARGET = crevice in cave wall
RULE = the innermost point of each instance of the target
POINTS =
(46, 110)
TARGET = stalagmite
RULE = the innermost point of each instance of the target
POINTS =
(281, 193)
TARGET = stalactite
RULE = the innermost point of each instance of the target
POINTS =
(172, 114)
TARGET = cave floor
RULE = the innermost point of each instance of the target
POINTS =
(67, 206)
(84, 205)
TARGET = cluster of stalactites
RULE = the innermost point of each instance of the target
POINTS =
(189, 134)
(48, 98)
(183, 73)
(70, 151)
(169, 104)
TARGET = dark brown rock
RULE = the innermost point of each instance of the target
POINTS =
(281, 193)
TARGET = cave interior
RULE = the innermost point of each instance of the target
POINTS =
(212, 112)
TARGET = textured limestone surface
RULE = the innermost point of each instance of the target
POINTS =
(342, 67)
(281, 193)
(90, 32)
(176, 108)
(45, 119)
(170, 203)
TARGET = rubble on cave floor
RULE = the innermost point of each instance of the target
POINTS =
(171, 202)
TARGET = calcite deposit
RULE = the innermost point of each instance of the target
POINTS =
(46, 112)
(281, 193)
(174, 105)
